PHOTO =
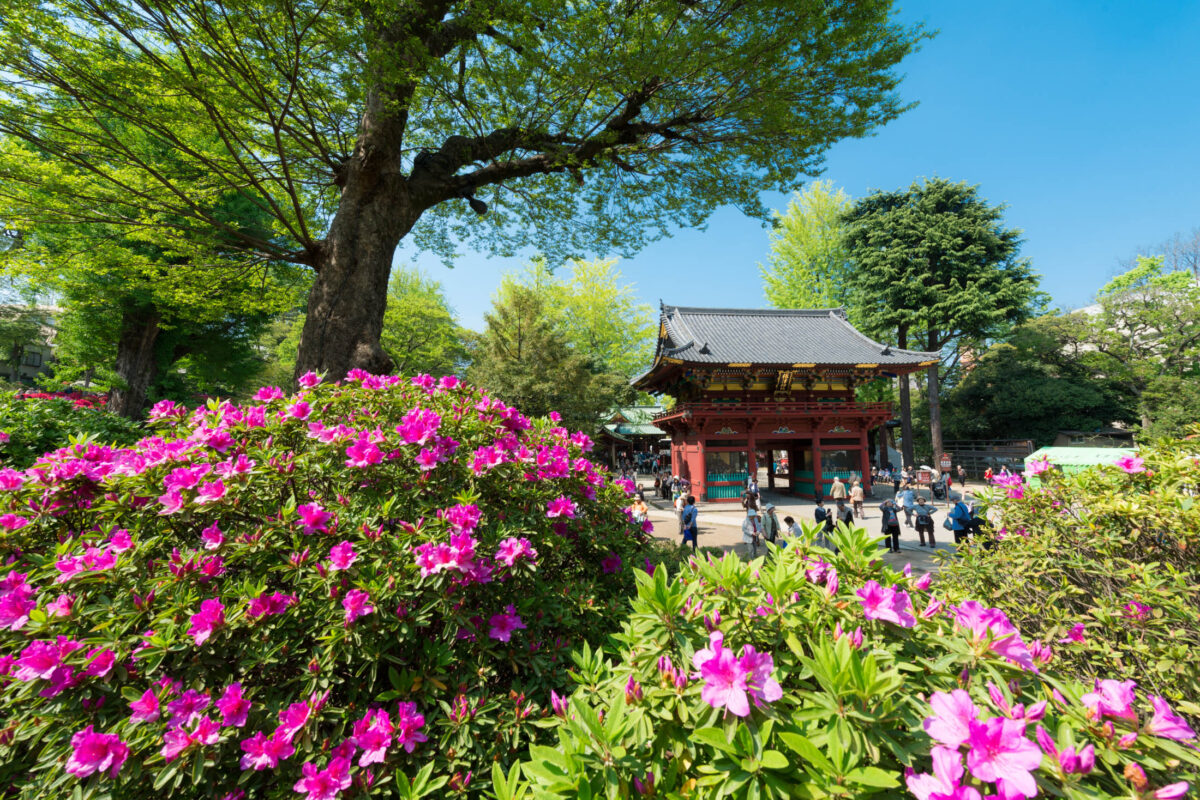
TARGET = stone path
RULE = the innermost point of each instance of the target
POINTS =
(721, 525)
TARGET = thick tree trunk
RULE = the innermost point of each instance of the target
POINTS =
(348, 298)
(906, 443)
(135, 361)
(935, 403)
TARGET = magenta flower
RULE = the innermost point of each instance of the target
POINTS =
(210, 617)
(611, 563)
(60, 606)
(1038, 467)
(210, 492)
(187, 708)
(1068, 760)
(724, 676)
(263, 752)
(268, 393)
(887, 604)
(234, 706)
(504, 625)
(1136, 611)
(298, 410)
(324, 784)
(11, 479)
(38, 660)
(1001, 753)
(342, 555)
(100, 663)
(1111, 699)
(457, 556)
(120, 541)
(761, 687)
(1075, 635)
(992, 626)
(93, 752)
(512, 549)
(268, 604)
(16, 603)
(1166, 723)
(408, 726)
(944, 782)
(313, 517)
(12, 522)
(211, 537)
(427, 459)
(1131, 464)
(374, 734)
(561, 507)
(1171, 791)
(309, 379)
(363, 454)
(953, 714)
(356, 604)
(145, 708)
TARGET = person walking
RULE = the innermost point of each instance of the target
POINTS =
(752, 485)
(752, 531)
(838, 490)
(897, 477)
(907, 499)
(891, 526)
(689, 521)
(924, 514)
(856, 499)
(962, 476)
(825, 520)
(960, 519)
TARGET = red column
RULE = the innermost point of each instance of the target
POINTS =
(816, 451)
(866, 461)
(751, 454)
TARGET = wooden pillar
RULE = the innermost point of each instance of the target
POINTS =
(751, 455)
(865, 460)
(818, 492)
(771, 469)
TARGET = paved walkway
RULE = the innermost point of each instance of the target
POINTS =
(721, 524)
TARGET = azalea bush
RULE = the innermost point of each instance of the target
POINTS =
(366, 588)
(33, 423)
(1109, 566)
(812, 674)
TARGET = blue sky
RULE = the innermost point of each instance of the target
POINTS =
(1082, 117)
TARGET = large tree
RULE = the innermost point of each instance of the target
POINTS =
(809, 259)
(574, 125)
(934, 266)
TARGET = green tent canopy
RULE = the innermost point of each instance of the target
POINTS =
(1076, 459)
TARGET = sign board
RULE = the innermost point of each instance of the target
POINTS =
(945, 462)
(924, 477)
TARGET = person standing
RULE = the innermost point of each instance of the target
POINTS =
(770, 523)
(689, 521)
(825, 520)
(856, 499)
(838, 490)
(752, 531)
(962, 476)
(752, 485)
(843, 514)
(793, 527)
(897, 477)
(924, 514)
(960, 521)
(907, 500)
(891, 526)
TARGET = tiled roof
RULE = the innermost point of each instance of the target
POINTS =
(774, 336)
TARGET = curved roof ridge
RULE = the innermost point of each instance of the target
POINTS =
(881, 345)
(758, 312)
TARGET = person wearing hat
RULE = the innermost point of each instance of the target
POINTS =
(844, 513)
(752, 531)
(770, 523)
(924, 515)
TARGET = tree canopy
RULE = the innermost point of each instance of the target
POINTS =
(934, 265)
(809, 258)
(574, 126)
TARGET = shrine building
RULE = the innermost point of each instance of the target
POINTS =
(773, 385)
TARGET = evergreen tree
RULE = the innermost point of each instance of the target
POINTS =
(809, 260)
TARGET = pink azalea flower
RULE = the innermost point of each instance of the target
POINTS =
(1166, 723)
(11, 479)
(59, 606)
(374, 734)
(462, 518)
(355, 603)
(145, 708)
(210, 492)
(269, 604)
(324, 784)
(268, 393)
(120, 541)
(12, 522)
(888, 605)
(93, 752)
(991, 625)
(1075, 635)
(1136, 611)
(172, 502)
(298, 410)
(292, 719)
(504, 625)
(1131, 464)
(1037, 467)
(1000, 752)
(427, 459)
(408, 726)
(263, 752)
(210, 617)
(342, 555)
(1111, 699)
(1068, 760)
(944, 782)
(512, 549)
(953, 714)
(234, 706)
(313, 517)
(1171, 791)
(16, 604)
(363, 454)
(611, 563)
(38, 660)
(761, 687)
(561, 507)
(187, 708)
(100, 662)
(309, 379)
(212, 537)
(724, 676)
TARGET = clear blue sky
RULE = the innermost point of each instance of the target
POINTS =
(1082, 117)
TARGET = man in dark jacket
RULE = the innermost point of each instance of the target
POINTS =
(924, 514)
(891, 526)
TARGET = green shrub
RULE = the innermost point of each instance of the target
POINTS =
(36, 423)
(785, 678)
(1115, 552)
(370, 585)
